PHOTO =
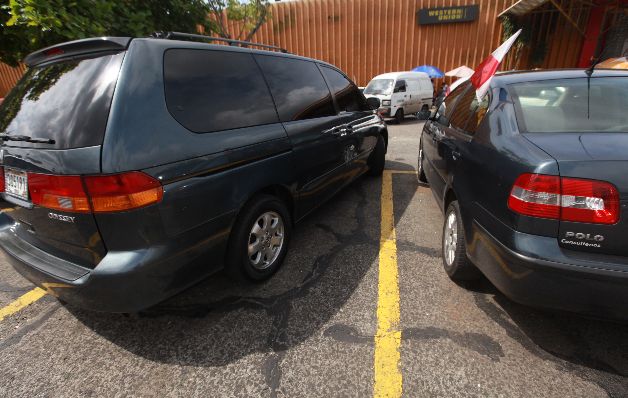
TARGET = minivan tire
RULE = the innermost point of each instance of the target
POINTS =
(455, 260)
(239, 263)
(377, 158)
(399, 116)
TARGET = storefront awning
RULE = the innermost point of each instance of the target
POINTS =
(523, 7)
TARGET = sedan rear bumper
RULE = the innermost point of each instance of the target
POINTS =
(534, 270)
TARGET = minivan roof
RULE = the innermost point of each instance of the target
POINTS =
(98, 44)
(402, 75)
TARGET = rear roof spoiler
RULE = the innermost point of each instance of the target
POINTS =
(77, 47)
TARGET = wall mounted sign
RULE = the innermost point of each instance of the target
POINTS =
(426, 16)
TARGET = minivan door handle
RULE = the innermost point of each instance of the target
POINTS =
(339, 131)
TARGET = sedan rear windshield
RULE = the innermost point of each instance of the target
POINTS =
(379, 87)
(572, 105)
(66, 101)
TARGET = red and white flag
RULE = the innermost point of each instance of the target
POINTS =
(481, 79)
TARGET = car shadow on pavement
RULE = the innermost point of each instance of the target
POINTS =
(218, 321)
(595, 349)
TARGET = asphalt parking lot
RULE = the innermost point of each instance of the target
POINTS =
(315, 329)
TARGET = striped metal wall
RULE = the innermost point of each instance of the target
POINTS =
(368, 37)
(8, 77)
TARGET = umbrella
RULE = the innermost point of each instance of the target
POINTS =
(614, 63)
(461, 71)
(432, 71)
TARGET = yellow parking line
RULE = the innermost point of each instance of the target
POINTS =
(22, 302)
(388, 380)
(401, 171)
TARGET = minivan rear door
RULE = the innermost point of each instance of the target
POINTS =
(306, 110)
(53, 123)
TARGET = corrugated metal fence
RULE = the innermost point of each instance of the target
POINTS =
(8, 77)
(368, 37)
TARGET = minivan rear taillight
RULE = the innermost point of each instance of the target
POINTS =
(100, 194)
(121, 192)
(567, 199)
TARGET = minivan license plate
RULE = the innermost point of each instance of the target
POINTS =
(16, 183)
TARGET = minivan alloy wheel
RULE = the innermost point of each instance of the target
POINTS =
(450, 238)
(266, 240)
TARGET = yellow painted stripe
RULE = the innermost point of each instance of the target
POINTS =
(402, 171)
(388, 380)
(22, 302)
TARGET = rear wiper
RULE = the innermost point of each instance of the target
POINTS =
(26, 138)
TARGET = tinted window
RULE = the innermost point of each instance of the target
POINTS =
(216, 90)
(446, 108)
(298, 88)
(572, 105)
(347, 95)
(478, 110)
(64, 101)
(468, 112)
(400, 86)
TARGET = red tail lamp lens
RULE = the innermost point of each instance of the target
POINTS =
(64, 193)
(589, 201)
(567, 199)
(536, 195)
(100, 194)
(121, 192)
(1, 179)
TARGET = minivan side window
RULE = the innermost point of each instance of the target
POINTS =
(400, 86)
(298, 88)
(348, 96)
(209, 90)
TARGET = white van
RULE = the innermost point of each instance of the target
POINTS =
(401, 93)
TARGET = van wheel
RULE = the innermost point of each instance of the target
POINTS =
(455, 260)
(377, 158)
(259, 239)
(420, 171)
(399, 116)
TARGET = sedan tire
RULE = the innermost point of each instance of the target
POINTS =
(455, 261)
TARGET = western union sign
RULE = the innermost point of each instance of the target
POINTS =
(426, 16)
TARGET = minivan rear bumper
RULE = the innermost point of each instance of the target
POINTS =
(534, 270)
(126, 281)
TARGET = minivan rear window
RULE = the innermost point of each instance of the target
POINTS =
(572, 105)
(66, 101)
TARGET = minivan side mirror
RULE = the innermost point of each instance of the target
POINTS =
(373, 102)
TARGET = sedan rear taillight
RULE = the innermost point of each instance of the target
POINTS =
(98, 194)
(566, 199)
(1, 179)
